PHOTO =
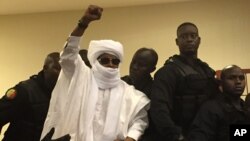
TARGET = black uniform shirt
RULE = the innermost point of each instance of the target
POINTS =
(25, 116)
(166, 83)
(213, 120)
(13, 105)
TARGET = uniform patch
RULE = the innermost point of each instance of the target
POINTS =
(11, 94)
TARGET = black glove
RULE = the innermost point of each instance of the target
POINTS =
(50, 134)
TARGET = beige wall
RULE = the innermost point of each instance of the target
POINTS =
(223, 24)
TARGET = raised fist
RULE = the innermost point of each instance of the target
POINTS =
(92, 13)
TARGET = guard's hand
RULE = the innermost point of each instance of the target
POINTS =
(92, 13)
(50, 134)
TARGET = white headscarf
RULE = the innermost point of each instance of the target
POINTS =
(98, 47)
(105, 77)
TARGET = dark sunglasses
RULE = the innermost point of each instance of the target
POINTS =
(105, 61)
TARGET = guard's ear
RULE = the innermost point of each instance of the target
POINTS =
(45, 67)
(199, 40)
(176, 42)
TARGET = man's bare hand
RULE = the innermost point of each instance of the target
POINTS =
(92, 13)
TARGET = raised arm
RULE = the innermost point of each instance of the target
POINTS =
(70, 61)
(92, 13)
(71, 49)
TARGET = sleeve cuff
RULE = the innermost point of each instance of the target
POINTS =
(134, 134)
(73, 41)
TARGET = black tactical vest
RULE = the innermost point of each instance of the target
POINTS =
(29, 127)
(194, 88)
(231, 116)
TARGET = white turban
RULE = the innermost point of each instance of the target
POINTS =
(98, 47)
(105, 77)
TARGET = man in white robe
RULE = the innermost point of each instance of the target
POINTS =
(95, 104)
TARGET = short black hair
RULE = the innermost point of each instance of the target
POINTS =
(185, 24)
(153, 53)
(52, 57)
(226, 69)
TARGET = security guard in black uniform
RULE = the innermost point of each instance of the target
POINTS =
(142, 65)
(216, 115)
(25, 105)
(180, 87)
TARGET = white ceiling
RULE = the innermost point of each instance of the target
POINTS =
(36, 6)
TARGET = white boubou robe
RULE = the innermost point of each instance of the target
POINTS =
(74, 104)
